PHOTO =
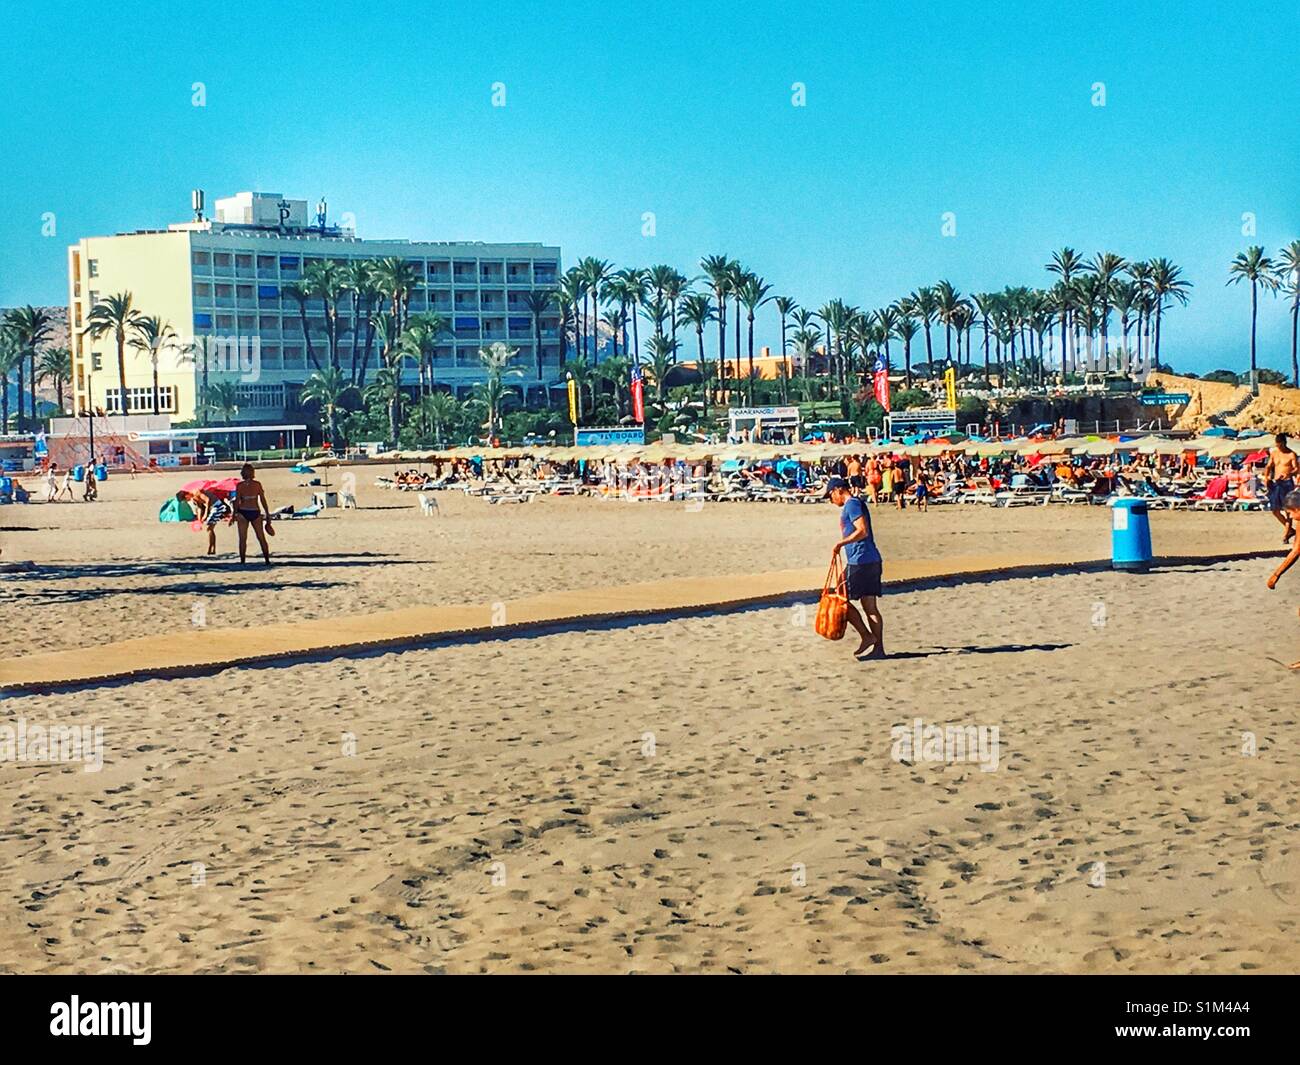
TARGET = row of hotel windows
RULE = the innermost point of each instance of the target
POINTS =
(225, 290)
(274, 357)
(140, 400)
(466, 271)
(467, 327)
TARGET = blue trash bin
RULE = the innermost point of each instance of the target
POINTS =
(1130, 535)
(78, 473)
(101, 472)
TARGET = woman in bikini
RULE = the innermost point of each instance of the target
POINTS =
(251, 509)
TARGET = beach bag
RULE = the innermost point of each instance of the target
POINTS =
(833, 607)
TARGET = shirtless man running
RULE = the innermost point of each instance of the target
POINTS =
(1292, 505)
(1280, 476)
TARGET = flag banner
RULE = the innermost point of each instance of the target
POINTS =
(950, 383)
(573, 401)
(638, 394)
(880, 381)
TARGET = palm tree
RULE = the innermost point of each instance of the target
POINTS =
(114, 314)
(1288, 270)
(785, 306)
(905, 329)
(717, 268)
(396, 279)
(947, 300)
(386, 388)
(696, 309)
(593, 272)
(1254, 266)
(1167, 283)
(1066, 263)
(327, 281)
(924, 306)
(737, 276)
(326, 389)
(708, 378)
(31, 328)
(359, 279)
(753, 294)
(222, 399)
(420, 342)
(440, 410)
(663, 354)
(151, 336)
(1106, 266)
(302, 292)
(568, 298)
(538, 302)
(11, 357)
(496, 366)
(56, 365)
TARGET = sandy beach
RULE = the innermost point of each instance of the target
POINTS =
(707, 794)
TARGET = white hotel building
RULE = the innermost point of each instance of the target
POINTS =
(225, 278)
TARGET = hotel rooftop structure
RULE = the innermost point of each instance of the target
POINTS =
(226, 278)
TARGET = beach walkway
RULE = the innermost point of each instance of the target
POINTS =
(198, 651)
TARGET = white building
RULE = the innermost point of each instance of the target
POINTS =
(227, 279)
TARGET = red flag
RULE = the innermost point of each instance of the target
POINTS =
(880, 383)
(638, 394)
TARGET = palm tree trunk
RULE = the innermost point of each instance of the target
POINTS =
(907, 359)
(1254, 306)
(121, 375)
(1295, 364)
(18, 423)
(750, 391)
(155, 385)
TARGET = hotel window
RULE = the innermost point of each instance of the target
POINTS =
(294, 358)
(202, 290)
(244, 292)
(248, 323)
(261, 397)
(201, 258)
(92, 267)
(140, 400)
(226, 321)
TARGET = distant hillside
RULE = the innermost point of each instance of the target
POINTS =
(1275, 409)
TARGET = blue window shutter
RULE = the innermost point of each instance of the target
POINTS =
(204, 320)
(289, 262)
(466, 323)
(267, 292)
(521, 323)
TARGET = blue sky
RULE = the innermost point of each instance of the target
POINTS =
(684, 110)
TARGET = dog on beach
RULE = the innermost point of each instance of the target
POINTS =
(428, 506)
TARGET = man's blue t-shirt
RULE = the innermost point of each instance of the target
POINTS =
(863, 552)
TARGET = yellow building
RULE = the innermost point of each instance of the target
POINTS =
(221, 286)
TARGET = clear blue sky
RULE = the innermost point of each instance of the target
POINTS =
(684, 110)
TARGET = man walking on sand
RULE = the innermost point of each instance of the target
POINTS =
(1280, 476)
(863, 565)
(1292, 506)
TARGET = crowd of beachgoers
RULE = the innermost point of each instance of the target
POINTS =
(1168, 473)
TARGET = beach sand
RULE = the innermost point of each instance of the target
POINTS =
(110, 570)
(706, 794)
